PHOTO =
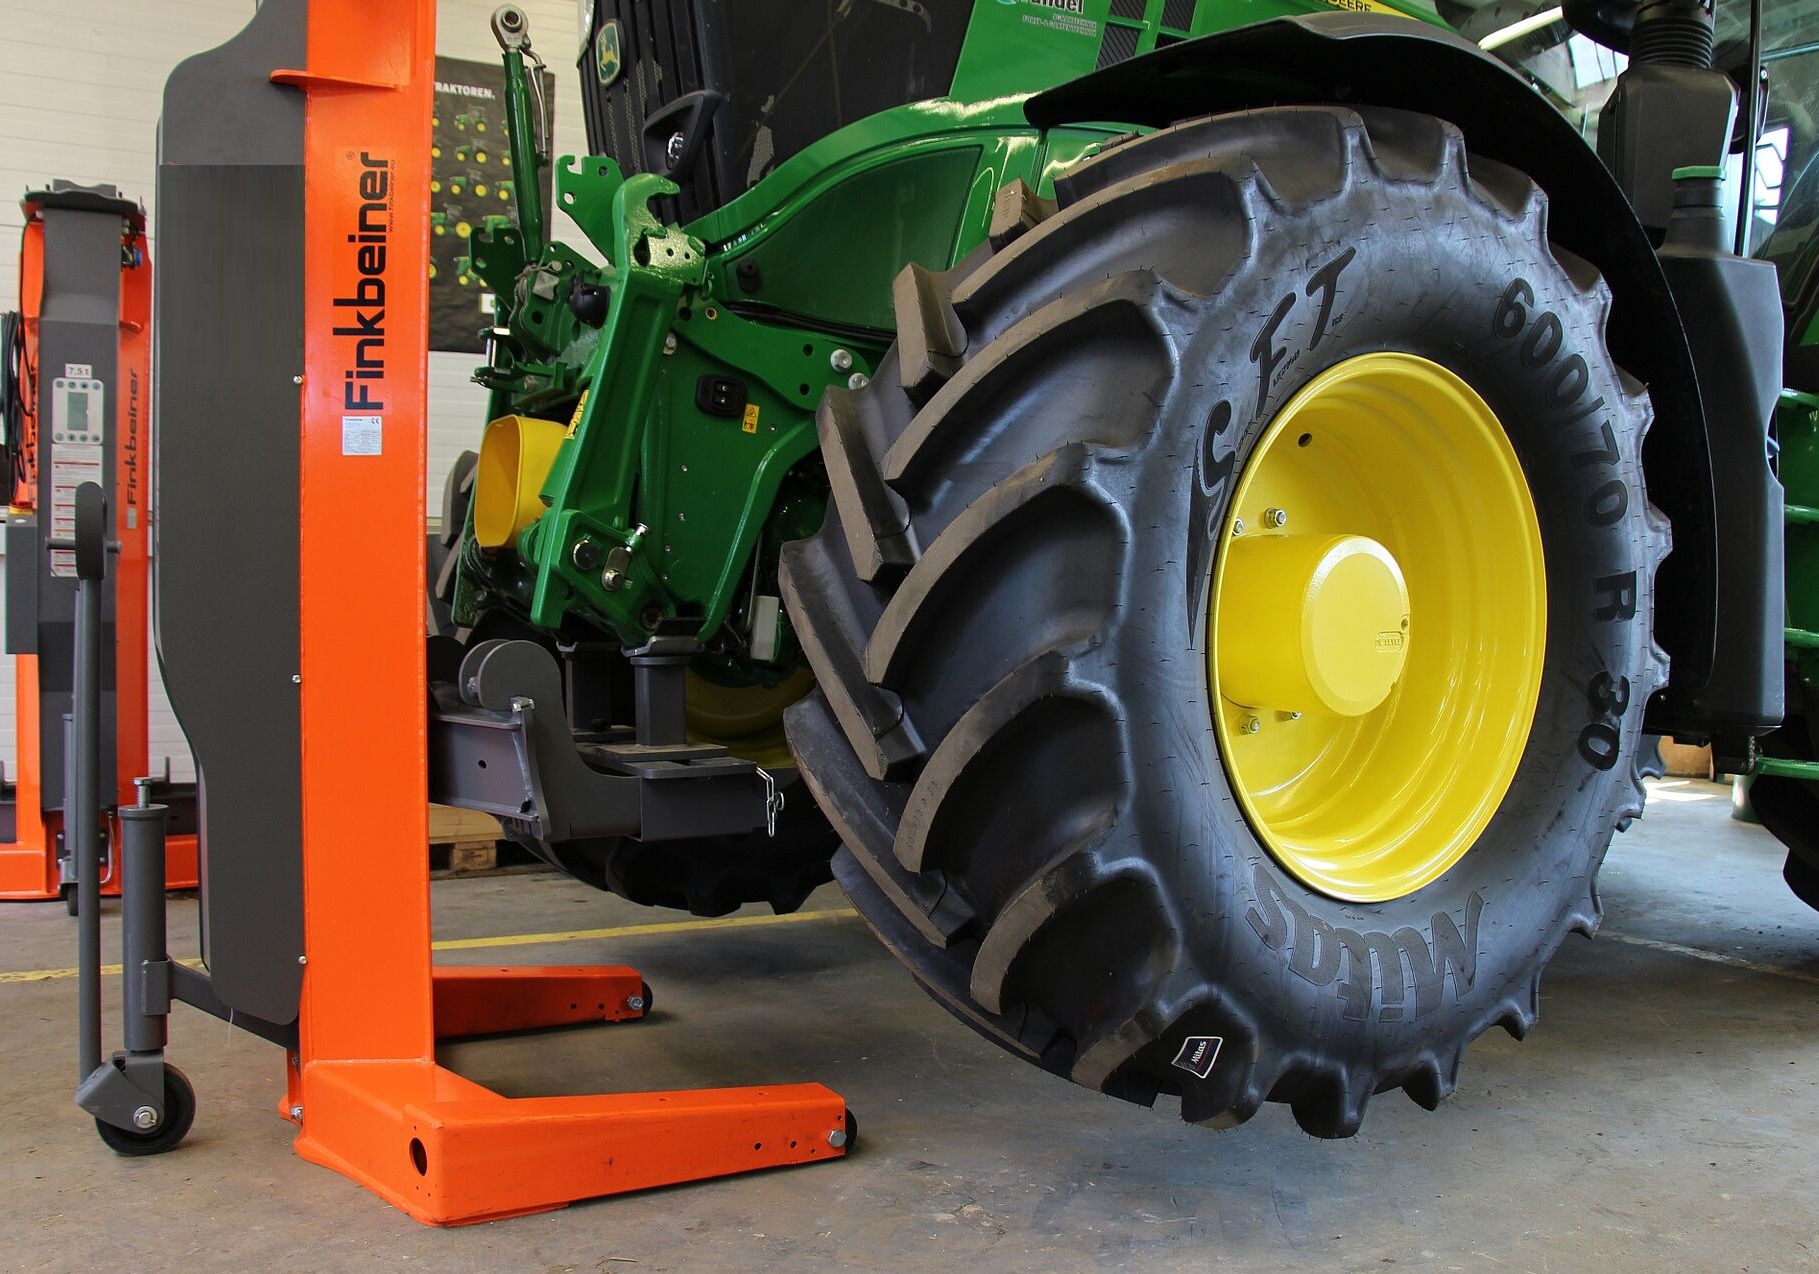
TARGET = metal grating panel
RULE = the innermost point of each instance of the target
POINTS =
(661, 62)
(1132, 9)
(1179, 14)
(1120, 43)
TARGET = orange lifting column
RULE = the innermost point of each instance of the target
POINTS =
(28, 863)
(375, 1106)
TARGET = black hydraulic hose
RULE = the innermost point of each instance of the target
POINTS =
(82, 767)
(1746, 199)
(13, 391)
(82, 801)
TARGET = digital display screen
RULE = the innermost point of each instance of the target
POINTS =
(78, 410)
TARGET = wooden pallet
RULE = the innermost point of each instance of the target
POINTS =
(462, 841)
(1682, 760)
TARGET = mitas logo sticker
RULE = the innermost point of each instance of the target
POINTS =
(1198, 1053)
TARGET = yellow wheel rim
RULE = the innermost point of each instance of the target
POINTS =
(1379, 621)
(746, 720)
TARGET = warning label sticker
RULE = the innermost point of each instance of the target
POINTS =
(1063, 22)
(362, 435)
(72, 464)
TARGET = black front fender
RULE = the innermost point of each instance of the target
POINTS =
(1369, 59)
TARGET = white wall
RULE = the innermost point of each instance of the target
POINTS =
(81, 82)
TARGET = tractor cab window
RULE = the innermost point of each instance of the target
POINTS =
(1785, 196)
(790, 71)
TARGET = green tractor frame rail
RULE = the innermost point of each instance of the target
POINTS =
(1206, 498)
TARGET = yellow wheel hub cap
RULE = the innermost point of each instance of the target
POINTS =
(1379, 624)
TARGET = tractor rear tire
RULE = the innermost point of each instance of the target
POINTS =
(1007, 615)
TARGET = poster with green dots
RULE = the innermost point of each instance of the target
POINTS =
(471, 178)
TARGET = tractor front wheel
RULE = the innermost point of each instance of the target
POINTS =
(1232, 626)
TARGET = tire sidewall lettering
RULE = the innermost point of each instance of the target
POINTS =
(1535, 352)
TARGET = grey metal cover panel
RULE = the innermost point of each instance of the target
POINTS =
(228, 342)
(21, 583)
(78, 328)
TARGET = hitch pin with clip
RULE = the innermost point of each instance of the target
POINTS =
(773, 802)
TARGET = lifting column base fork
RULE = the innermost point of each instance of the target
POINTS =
(449, 1151)
(442, 1148)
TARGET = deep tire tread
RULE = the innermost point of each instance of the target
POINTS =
(1061, 476)
(879, 534)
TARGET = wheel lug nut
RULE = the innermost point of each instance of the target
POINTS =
(1275, 517)
(1251, 725)
(1237, 526)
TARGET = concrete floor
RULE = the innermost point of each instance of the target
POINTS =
(1664, 1116)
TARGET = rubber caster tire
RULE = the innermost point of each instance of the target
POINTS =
(68, 894)
(179, 1114)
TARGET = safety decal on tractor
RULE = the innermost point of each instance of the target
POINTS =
(1198, 1053)
(1058, 15)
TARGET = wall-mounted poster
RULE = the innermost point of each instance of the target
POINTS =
(471, 177)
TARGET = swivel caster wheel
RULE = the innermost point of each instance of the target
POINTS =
(179, 1114)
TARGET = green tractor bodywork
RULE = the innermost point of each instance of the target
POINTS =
(689, 366)
(1785, 230)
(1797, 431)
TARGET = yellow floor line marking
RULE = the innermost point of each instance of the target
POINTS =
(640, 931)
(46, 975)
(1713, 957)
(847, 913)
(525, 939)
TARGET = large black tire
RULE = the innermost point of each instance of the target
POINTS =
(1005, 613)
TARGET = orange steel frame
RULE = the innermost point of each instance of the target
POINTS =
(374, 1104)
(28, 865)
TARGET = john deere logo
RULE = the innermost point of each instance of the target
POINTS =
(607, 61)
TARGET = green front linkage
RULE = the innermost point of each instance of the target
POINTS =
(659, 508)
(627, 565)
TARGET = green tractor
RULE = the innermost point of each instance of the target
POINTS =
(1783, 780)
(1168, 501)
